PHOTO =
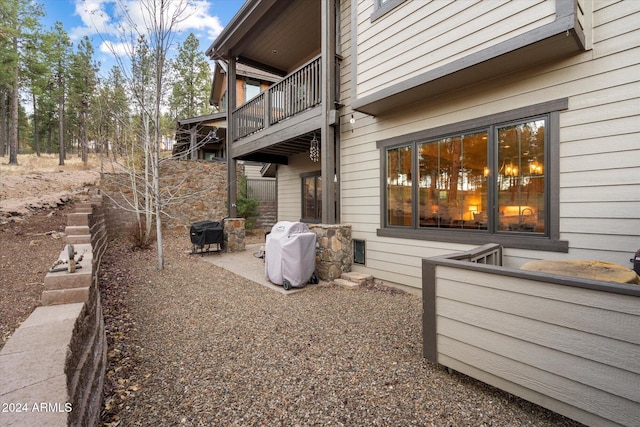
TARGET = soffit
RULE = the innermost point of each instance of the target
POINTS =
(278, 35)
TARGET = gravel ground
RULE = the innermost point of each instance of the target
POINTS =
(197, 345)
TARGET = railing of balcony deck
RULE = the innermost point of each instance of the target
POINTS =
(297, 92)
(249, 117)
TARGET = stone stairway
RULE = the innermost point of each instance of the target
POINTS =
(268, 215)
(353, 279)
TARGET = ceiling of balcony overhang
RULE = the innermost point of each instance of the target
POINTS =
(279, 153)
(277, 36)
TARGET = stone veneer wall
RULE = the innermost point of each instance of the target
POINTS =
(52, 368)
(234, 233)
(334, 252)
(202, 194)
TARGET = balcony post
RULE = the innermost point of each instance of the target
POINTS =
(327, 131)
(231, 131)
(266, 99)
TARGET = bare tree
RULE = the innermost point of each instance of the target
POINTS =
(143, 70)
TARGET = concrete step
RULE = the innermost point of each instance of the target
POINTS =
(78, 239)
(359, 278)
(352, 279)
(346, 283)
(76, 230)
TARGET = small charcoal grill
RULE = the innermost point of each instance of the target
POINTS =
(204, 235)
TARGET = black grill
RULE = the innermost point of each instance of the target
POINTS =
(204, 234)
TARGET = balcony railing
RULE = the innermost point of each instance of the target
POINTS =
(297, 92)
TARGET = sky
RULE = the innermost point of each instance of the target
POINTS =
(99, 20)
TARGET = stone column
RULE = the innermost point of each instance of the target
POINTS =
(334, 253)
(234, 234)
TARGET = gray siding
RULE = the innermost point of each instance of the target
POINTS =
(435, 33)
(599, 183)
(571, 349)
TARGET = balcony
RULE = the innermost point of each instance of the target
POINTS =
(282, 120)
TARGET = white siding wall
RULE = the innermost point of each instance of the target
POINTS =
(600, 143)
(423, 35)
(289, 186)
(252, 170)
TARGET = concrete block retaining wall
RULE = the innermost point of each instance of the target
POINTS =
(52, 368)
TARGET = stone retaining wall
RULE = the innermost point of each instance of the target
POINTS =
(198, 187)
(52, 368)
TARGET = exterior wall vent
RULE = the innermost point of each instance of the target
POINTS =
(359, 252)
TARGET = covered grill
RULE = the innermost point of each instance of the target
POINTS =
(290, 254)
(204, 234)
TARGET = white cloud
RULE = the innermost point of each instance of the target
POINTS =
(96, 18)
(107, 18)
(115, 49)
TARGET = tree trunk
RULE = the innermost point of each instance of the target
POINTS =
(61, 130)
(13, 137)
(36, 136)
(83, 138)
(4, 120)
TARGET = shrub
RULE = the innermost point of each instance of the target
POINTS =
(246, 206)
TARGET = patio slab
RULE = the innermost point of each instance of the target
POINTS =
(248, 265)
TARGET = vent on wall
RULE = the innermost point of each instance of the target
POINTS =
(359, 252)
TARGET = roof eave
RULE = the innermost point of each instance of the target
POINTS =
(238, 27)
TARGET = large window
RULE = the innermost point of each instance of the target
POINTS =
(484, 183)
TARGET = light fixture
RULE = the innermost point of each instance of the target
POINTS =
(352, 120)
(314, 149)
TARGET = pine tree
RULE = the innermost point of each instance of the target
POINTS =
(82, 85)
(189, 94)
(18, 23)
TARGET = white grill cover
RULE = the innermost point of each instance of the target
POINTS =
(290, 253)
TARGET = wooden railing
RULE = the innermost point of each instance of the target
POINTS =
(490, 254)
(249, 117)
(297, 92)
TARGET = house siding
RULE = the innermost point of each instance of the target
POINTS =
(599, 144)
(420, 36)
(571, 349)
(289, 186)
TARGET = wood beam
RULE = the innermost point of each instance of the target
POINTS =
(232, 190)
(327, 131)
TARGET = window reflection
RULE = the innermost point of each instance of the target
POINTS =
(521, 177)
(492, 179)
(399, 209)
(452, 182)
(312, 197)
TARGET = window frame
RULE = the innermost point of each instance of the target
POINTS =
(548, 242)
(383, 7)
(303, 176)
(254, 83)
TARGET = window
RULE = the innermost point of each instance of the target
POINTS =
(251, 89)
(381, 7)
(312, 197)
(485, 183)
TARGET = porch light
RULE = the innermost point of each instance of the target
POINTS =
(314, 150)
